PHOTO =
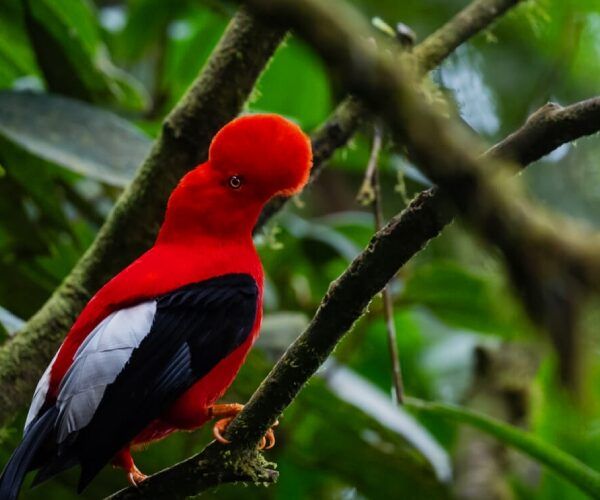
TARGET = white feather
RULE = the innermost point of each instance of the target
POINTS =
(98, 361)
(39, 396)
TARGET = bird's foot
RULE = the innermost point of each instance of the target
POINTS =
(228, 412)
(124, 460)
(135, 476)
(268, 440)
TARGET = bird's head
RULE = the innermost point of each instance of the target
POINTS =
(250, 160)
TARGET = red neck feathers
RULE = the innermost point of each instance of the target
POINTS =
(251, 159)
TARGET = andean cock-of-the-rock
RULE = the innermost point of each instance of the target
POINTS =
(159, 344)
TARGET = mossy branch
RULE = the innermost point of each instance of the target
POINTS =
(475, 17)
(553, 262)
(350, 113)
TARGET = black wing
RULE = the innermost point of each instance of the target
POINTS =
(193, 329)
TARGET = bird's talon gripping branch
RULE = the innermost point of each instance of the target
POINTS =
(268, 440)
(229, 412)
(135, 476)
(219, 428)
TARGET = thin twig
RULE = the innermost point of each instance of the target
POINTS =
(370, 193)
(388, 311)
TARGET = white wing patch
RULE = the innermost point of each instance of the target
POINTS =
(39, 396)
(98, 361)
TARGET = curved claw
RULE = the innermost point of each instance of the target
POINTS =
(229, 411)
(135, 476)
(220, 427)
(268, 440)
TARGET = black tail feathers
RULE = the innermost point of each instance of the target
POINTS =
(21, 460)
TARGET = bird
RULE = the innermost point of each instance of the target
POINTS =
(160, 343)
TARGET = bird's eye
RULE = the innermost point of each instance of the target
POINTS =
(235, 182)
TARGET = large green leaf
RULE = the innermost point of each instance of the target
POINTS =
(295, 84)
(16, 56)
(552, 457)
(147, 22)
(69, 52)
(464, 299)
(73, 135)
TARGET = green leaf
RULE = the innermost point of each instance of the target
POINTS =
(147, 21)
(295, 84)
(16, 57)
(72, 135)
(69, 52)
(552, 457)
(464, 299)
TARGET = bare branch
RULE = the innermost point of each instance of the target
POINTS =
(548, 128)
(370, 194)
(474, 18)
(344, 121)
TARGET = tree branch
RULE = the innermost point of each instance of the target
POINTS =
(345, 120)
(474, 18)
(548, 128)
(215, 465)
(391, 248)
(216, 97)
(552, 262)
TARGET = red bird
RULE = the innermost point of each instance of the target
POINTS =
(162, 341)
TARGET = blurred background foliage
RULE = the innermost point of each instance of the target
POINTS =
(84, 87)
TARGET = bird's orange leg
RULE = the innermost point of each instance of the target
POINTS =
(124, 460)
(226, 413)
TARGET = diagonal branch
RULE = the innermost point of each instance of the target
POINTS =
(552, 262)
(345, 120)
(391, 248)
(471, 20)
